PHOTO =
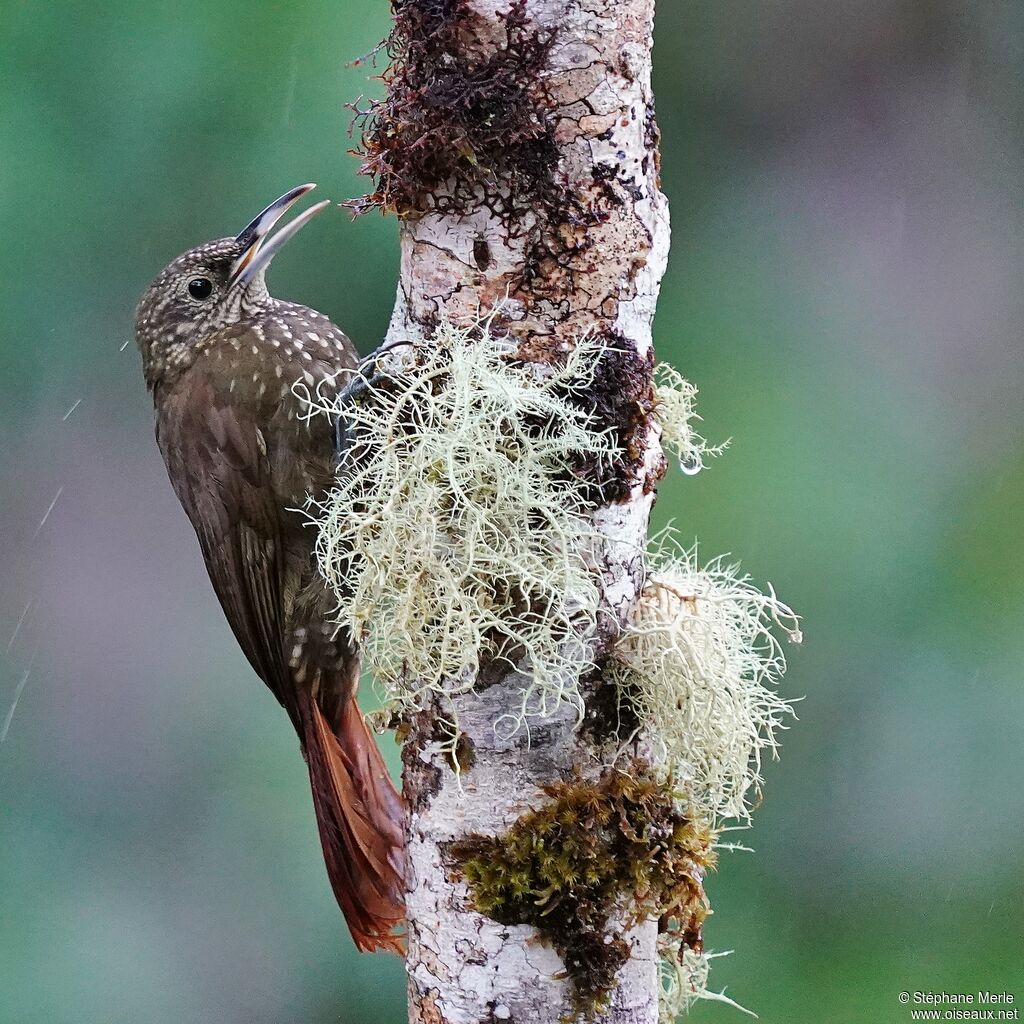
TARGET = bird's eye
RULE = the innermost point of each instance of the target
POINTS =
(200, 287)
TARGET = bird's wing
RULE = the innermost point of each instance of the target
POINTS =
(218, 463)
(217, 460)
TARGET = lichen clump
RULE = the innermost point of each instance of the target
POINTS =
(676, 415)
(596, 858)
(463, 112)
(683, 978)
(698, 663)
(457, 537)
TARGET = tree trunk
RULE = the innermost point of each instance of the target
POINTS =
(518, 144)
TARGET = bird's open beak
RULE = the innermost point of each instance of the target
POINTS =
(257, 253)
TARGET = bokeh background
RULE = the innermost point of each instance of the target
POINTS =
(845, 289)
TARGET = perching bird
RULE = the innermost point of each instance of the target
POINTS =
(221, 357)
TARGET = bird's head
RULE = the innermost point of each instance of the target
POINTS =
(211, 287)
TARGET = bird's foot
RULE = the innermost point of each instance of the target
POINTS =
(367, 378)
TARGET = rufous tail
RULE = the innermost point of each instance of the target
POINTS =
(361, 821)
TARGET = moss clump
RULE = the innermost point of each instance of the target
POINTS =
(597, 858)
(460, 113)
(622, 396)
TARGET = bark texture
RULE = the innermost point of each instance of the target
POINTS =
(547, 200)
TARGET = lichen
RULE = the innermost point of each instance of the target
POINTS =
(464, 110)
(596, 858)
(683, 978)
(676, 415)
(457, 536)
(698, 663)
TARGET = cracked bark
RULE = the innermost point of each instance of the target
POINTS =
(592, 266)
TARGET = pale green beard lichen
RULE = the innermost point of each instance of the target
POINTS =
(698, 663)
(675, 413)
(456, 534)
(683, 979)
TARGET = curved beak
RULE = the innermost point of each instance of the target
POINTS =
(258, 251)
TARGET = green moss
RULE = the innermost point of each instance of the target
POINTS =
(598, 855)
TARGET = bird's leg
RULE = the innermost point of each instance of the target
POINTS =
(360, 383)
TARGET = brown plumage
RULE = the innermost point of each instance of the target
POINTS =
(221, 358)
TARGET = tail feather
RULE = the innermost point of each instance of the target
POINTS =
(361, 819)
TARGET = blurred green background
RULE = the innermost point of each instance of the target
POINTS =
(845, 289)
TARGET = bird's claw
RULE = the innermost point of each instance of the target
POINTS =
(360, 383)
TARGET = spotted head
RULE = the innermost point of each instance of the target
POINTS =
(211, 287)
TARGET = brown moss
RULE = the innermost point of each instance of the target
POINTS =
(467, 122)
(599, 856)
(463, 756)
(461, 113)
(610, 715)
(621, 399)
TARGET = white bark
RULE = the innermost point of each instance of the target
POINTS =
(464, 968)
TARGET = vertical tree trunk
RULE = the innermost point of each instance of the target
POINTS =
(550, 204)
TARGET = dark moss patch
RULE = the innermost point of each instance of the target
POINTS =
(615, 850)
(460, 114)
(558, 245)
(610, 715)
(652, 141)
(468, 123)
(481, 253)
(621, 398)
(421, 780)
(463, 756)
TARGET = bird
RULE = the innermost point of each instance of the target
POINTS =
(225, 363)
